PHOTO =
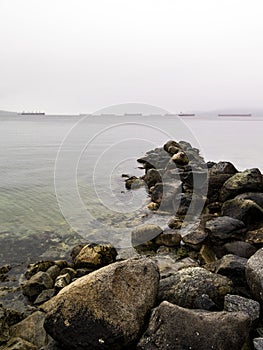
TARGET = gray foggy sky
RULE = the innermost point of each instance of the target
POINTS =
(83, 55)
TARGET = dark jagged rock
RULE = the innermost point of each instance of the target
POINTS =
(95, 255)
(248, 180)
(105, 309)
(176, 328)
(196, 238)
(36, 284)
(185, 286)
(215, 183)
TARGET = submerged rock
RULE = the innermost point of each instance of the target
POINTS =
(175, 328)
(105, 309)
(143, 236)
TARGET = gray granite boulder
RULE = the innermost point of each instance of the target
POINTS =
(254, 275)
(185, 287)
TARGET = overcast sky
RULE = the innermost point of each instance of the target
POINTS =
(80, 56)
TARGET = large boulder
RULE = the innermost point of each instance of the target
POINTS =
(225, 228)
(175, 328)
(186, 287)
(105, 309)
(254, 275)
(248, 180)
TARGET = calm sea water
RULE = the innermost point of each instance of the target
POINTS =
(61, 175)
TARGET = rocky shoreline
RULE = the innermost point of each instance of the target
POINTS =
(195, 283)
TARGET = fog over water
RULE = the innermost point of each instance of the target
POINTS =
(68, 56)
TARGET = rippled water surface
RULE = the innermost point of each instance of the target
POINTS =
(61, 175)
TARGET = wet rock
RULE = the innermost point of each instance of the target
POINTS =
(18, 344)
(133, 183)
(4, 326)
(152, 177)
(180, 158)
(103, 309)
(32, 269)
(258, 343)
(225, 228)
(62, 281)
(171, 143)
(184, 287)
(175, 328)
(254, 275)
(255, 237)
(240, 248)
(223, 168)
(169, 238)
(157, 158)
(53, 271)
(245, 210)
(31, 329)
(44, 296)
(36, 284)
(196, 238)
(95, 255)
(237, 303)
(143, 236)
(248, 180)
(175, 223)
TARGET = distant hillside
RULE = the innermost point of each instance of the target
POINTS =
(7, 113)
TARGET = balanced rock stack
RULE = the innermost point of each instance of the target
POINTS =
(194, 283)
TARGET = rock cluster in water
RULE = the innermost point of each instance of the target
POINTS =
(196, 283)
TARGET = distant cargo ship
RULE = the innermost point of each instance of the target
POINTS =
(32, 113)
(186, 115)
(235, 115)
